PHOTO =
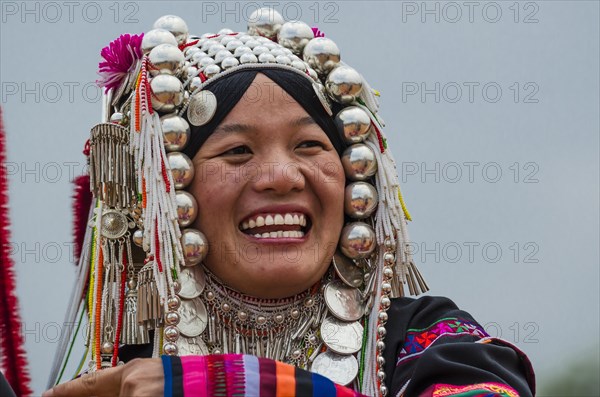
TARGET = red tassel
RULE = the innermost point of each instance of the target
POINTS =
(82, 200)
(13, 359)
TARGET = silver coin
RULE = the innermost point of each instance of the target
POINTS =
(337, 368)
(342, 337)
(193, 317)
(348, 272)
(113, 224)
(192, 281)
(343, 301)
(202, 108)
(192, 346)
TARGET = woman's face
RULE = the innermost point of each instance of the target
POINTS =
(270, 192)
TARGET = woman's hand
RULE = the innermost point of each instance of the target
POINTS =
(140, 377)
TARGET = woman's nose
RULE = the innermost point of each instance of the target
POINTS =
(279, 173)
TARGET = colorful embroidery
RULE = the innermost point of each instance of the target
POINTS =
(477, 390)
(417, 340)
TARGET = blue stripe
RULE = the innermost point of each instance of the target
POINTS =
(322, 386)
(166, 360)
(252, 376)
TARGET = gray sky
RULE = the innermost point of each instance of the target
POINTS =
(491, 112)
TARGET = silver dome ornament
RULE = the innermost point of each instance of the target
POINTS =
(344, 84)
(215, 48)
(225, 31)
(241, 50)
(266, 57)
(252, 43)
(295, 35)
(211, 71)
(360, 200)
(195, 246)
(175, 25)
(165, 59)
(260, 49)
(226, 39)
(248, 57)
(233, 44)
(182, 169)
(202, 106)
(190, 51)
(265, 22)
(357, 240)
(113, 224)
(321, 54)
(198, 55)
(206, 61)
(116, 118)
(359, 162)
(138, 238)
(170, 349)
(155, 37)
(299, 65)
(229, 62)
(283, 60)
(353, 123)
(187, 208)
(219, 56)
(194, 84)
(167, 92)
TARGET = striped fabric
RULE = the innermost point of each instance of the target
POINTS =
(243, 375)
(490, 389)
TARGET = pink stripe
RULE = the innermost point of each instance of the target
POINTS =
(194, 376)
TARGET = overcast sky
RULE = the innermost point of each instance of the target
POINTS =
(491, 112)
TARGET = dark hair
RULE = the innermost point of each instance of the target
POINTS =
(230, 89)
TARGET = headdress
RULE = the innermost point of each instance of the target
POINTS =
(157, 85)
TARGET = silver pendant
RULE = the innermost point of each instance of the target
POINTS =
(337, 368)
(347, 270)
(342, 337)
(343, 301)
(192, 282)
(202, 108)
(114, 224)
(193, 317)
(192, 347)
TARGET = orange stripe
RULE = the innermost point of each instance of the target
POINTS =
(286, 380)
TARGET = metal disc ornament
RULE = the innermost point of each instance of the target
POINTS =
(347, 270)
(337, 368)
(193, 317)
(342, 337)
(114, 224)
(344, 302)
(192, 347)
(192, 281)
(202, 108)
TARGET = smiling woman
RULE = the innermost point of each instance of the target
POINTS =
(273, 252)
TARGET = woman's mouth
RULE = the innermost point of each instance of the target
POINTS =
(276, 225)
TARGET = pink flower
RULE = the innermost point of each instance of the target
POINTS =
(120, 57)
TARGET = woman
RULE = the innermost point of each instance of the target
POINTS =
(274, 233)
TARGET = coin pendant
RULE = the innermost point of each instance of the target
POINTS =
(343, 301)
(192, 346)
(202, 108)
(348, 272)
(337, 368)
(192, 281)
(193, 317)
(342, 337)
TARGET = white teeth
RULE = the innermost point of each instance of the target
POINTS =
(286, 234)
(281, 234)
(279, 219)
(266, 234)
(258, 235)
(269, 220)
(302, 220)
(251, 223)
(260, 221)
(273, 235)
(296, 220)
(289, 219)
(244, 225)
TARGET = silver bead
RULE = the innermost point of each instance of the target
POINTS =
(390, 244)
(225, 307)
(360, 200)
(295, 35)
(321, 54)
(381, 375)
(242, 315)
(252, 43)
(296, 354)
(175, 25)
(211, 71)
(194, 84)
(261, 320)
(248, 57)
(195, 246)
(283, 59)
(299, 65)
(172, 318)
(116, 117)
(359, 162)
(205, 62)
(182, 169)
(170, 349)
(381, 331)
(383, 390)
(279, 318)
(389, 258)
(155, 37)
(210, 296)
(187, 208)
(167, 92)
(190, 51)
(387, 272)
(295, 313)
(219, 56)
(176, 286)
(107, 348)
(344, 84)
(233, 44)
(171, 333)
(176, 131)
(353, 122)
(386, 287)
(265, 22)
(266, 57)
(242, 50)
(380, 345)
(138, 237)
(229, 62)
(385, 302)
(380, 361)
(215, 48)
(166, 59)
(383, 316)
(260, 49)
(173, 302)
(357, 240)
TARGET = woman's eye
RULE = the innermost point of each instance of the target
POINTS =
(311, 144)
(236, 151)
